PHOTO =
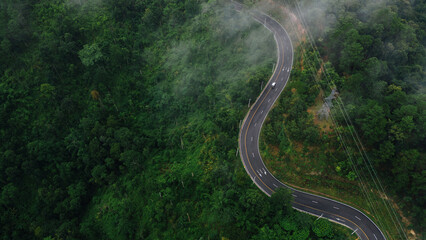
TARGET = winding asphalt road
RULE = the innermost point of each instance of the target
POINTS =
(319, 206)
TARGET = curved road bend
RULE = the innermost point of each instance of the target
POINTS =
(248, 140)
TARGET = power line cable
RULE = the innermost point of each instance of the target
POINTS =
(357, 141)
(345, 147)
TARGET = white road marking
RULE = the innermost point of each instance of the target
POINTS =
(338, 219)
(274, 185)
(264, 171)
(276, 89)
(252, 154)
(374, 236)
(294, 195)
(283, 69)
(354, 231)
(358, 218)
(288, 70)
(314, 201)
(252, 139)
(336, 208)
(255, 124)
(261, 112)
(269, 100)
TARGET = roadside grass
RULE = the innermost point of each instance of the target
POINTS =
(303, 168)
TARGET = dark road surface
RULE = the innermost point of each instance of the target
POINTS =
(319, 206)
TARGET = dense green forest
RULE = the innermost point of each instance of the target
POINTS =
(119, 120)
(374, 54)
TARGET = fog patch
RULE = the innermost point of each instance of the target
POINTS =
(238, 41)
